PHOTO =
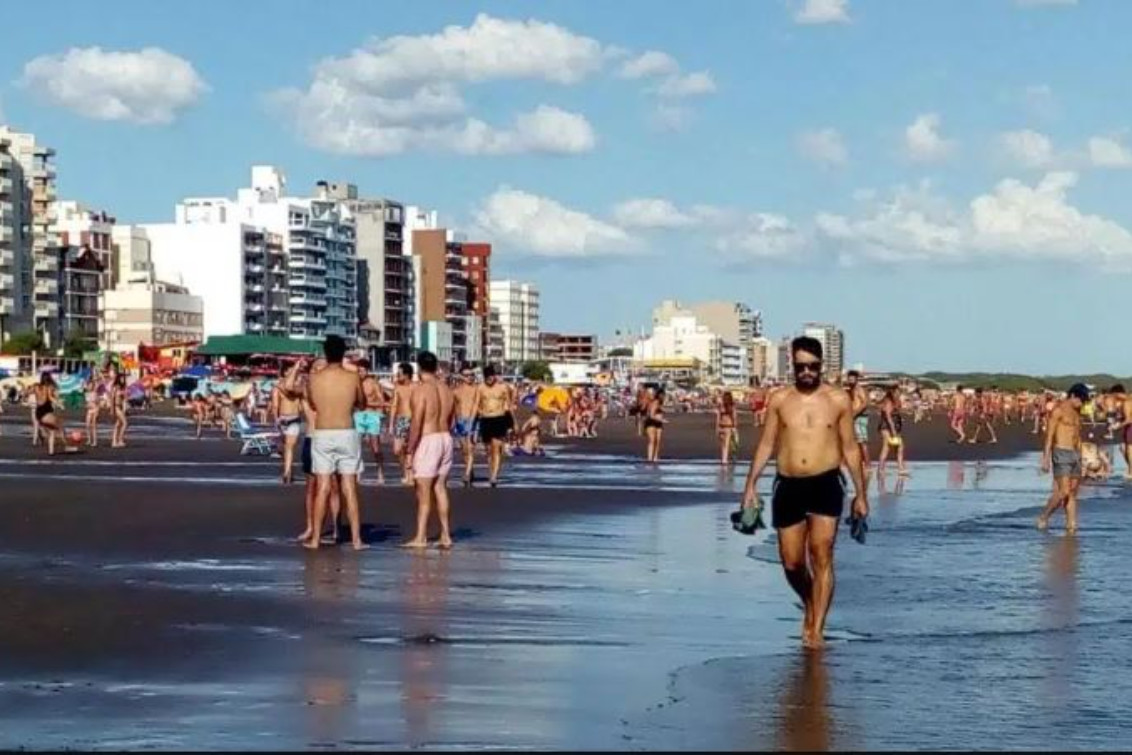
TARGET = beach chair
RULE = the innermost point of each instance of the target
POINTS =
(255, 440)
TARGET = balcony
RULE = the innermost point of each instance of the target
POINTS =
(254, 308)
(46, 286)
(255, 269)
(6, 282)
(300, 300)
(6, 234)
(5, 186)
(46, 310)
(7, 257)
(305, 318)
(253, 288)
(298, 263)
(304, 281)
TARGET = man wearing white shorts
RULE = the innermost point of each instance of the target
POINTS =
(430, 446)
(336, 448)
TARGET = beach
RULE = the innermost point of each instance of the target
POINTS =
(154, 598)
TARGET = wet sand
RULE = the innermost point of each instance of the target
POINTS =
(153, 598)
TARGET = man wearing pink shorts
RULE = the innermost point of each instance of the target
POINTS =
(430, 447)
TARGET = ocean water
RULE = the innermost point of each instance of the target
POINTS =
(957, 626)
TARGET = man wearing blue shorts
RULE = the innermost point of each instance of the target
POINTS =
(368, 421)
(860, 402)
(466, 428)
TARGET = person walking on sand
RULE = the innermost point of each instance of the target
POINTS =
(430, 446)
(1062, 455)
(494, 401)
(286, 408)
(809, 429)
(118, 408)
(336, 448)
(959, 415)
(465, 428)
(891, 433)
(654, 425)
(400, 417)
(859, 398)
(726, 425)
(46, 403)
(93, 409)
(368, 421)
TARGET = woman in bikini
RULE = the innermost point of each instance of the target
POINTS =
(46, 398)
(654, 425)
(725, 424)
(93, 409)
(118, 408)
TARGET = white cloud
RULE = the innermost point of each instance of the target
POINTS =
(923, 141)
(527, 224)
(1029, 149)
(1108, 152)
(823, 12)
(1015, 221)
(651, 213)
(764, 236)
(825, 147)
(651, 63)
(405, 93)
(150, 86)
(687, 85)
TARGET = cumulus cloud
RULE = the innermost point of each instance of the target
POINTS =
(651, 63)
(763, 235)
(824, 146)
(1030, 149)
(149, 86)
(923, 141)
(1109, 152)
(687, 85)
(823, 12)
(527, 224)
(651, 213)
(1015, 221)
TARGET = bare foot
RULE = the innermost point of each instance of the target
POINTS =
(813, 642)
(416, 543)
(1071, 529)
(360, 546)
(1043, 523)
(305, 536)
(311, 544)
(445, 544)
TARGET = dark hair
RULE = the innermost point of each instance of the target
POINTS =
(853, 373)
(728, 401)
(363, 364)
(426, 360)
(405, 369)
(334, 348)
(46, 379)
(489, 370)
(808, 345)
(1118, 388)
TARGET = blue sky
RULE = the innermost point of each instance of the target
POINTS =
(946, 180)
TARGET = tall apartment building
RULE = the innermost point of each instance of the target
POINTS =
(385, 273)
(14, 242)
(32, 213)
(679, 337)
(833, 347)
(77, 293)
(151, 313)
(131, 258)
(442, 291)
(567, 347)
(264, 263)
(517, 305)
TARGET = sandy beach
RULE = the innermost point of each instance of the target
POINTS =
(153, 598)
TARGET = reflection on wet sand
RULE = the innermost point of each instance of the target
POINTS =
(423, 664)
(1061, 619)
(805, 723)
(329, 667)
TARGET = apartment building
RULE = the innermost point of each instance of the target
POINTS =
(517, 306)
(567, 347)
(441, 288)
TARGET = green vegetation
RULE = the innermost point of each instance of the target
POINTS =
(23, 343)
(77, 344)
(621, 351)
(537, 371)
(1009, 381)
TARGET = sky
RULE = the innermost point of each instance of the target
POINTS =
(948, 181)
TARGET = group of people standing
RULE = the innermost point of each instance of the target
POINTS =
(342, 408)
(103, 391)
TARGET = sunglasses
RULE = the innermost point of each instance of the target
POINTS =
(814, 367)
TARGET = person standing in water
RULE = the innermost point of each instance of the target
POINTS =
(465, 428)
(726, 425)
(809, 430)
(654, 425)
(430, 446)
(400, 417)
(1062, 455)
(285, 406)
(891, 432)
(494, 401)
(859, 398)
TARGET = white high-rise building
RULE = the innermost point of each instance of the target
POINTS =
(682, 336)
(27, 214)
(265, 263)
(517, 305)
(833, 347)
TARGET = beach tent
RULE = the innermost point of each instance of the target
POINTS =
(553, 399)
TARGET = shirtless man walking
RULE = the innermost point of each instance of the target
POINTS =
(430, 446)
(959, 415)
(285, 407)
(494, 401)
(859, 398)
(1063, 455)
(811, 426)
(400, 416)
(465, 428)
(336, 448)
(368, 421)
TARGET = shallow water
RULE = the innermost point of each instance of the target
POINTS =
(956, 626)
